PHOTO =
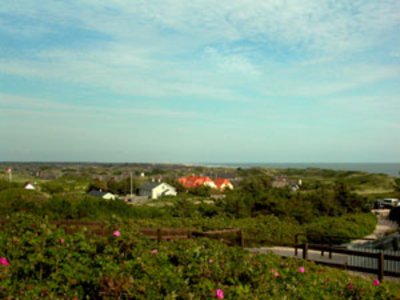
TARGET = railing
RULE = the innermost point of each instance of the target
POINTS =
(330, 239)
(380, 258)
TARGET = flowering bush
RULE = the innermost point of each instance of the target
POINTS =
(45, 263)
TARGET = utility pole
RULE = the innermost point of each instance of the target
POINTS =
(131, 186)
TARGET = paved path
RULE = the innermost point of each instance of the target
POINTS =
(383, 226)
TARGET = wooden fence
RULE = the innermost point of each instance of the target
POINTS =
(230, 236)
(71, 227)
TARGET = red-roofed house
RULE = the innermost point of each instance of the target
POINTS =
(223, 183)
(195, 181)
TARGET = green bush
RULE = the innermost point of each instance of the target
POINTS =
(357, 225)
(45, 263)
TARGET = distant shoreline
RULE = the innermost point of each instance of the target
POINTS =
(392, 169)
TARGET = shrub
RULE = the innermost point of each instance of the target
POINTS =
(45, 263)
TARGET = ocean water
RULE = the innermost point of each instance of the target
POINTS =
(392, 169)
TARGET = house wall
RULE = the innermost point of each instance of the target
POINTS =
(210, 184)
(145, 193)
(109, 197)
(163, 189)
(226, 186)
(29, 187)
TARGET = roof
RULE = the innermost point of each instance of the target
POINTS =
(148, 186)
(96, 193)
(194, 181)
(220, 181)
(28, 184)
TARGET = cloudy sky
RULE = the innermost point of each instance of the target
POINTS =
(200, 81)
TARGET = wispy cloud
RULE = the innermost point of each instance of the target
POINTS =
(153, 48)
(265, 73)
(18, 105)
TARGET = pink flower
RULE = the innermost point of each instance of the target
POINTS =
(210, 261)
(351, 287)
(62, 241)
(277, 274)
(154, 251)
(377, 282)
(4, 262)
(116, 233)
(58, 246)
(220, 294)
(272, 271)
(301, 270)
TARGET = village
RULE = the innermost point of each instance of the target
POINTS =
(317, 215)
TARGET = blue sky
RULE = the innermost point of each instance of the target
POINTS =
(200, 81)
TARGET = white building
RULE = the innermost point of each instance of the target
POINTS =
(155, 190)
(103, 195)
(29, 186)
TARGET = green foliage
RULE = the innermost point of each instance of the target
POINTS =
(201, 190)
(97, 185)
(254, 197)
(5, 184)
(358, 225)
(19, 199)
(175, 183)
(396, 185)
(53, 187)
(122, 187)
(45, 263)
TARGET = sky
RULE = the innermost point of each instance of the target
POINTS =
(200, 81)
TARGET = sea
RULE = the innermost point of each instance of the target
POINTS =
(392, 169)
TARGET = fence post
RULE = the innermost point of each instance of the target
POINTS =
(296, 241)
(381, 266)
(305, 251)
(158, 235)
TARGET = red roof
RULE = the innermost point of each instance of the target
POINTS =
(194, 181)
(221, 181)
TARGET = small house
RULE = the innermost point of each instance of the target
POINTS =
(29, 186)
(155, 190)
(101, 194)
(223, 183)
(195, 181)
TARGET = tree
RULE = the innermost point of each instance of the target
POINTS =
(113, 186)
(397, 185)
(97, 185)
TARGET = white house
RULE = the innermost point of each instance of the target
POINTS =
(29, 186)
(103, 195)
(157, 189)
